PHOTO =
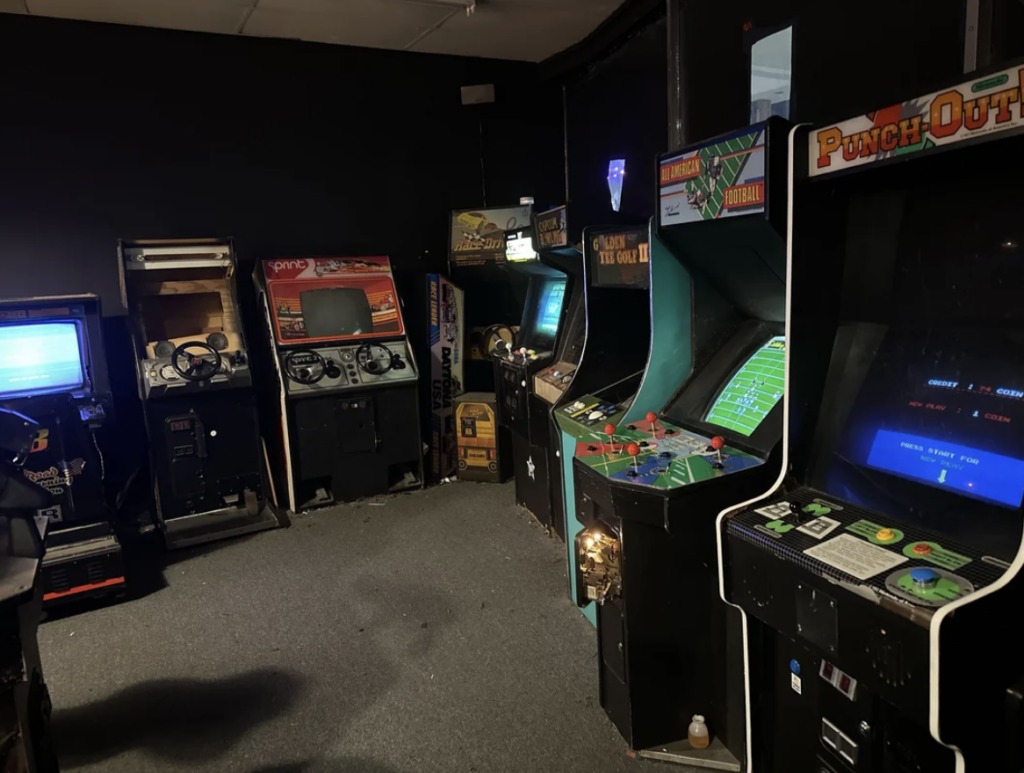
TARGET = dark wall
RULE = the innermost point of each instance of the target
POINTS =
(294, 149)
(617, 108)
(845, 60)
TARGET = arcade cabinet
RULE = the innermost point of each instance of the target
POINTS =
(701, 433)
(881, 582)
(347, 380)
(53, 368)
(207, 457)
(531, 377)
(616, 313)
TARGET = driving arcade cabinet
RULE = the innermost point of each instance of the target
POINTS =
(347, 379)
(207, 457)
(616, 318)
(53, 368)
(701, 433)
(881, 583)
(530, 378)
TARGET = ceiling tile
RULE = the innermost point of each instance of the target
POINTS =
(12, 6)
(372, 23)
(197, 15)
(516, 29)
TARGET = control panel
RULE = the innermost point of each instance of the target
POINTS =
(842, 542)
(550, 383)
(656, 453)
(359, 366)
(194, 371)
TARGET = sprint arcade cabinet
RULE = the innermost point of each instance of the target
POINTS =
(348, 382)
(206, 452)
(611, 360)
(881, 583)
(53, 367)
(701, 433)
(530, 378)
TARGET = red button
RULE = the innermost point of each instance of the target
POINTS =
(827, 672)
(922, 549)
(844, 684)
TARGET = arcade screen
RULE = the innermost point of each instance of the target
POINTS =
(753, 390)
(519, 246)
(311, 310)
(40, 357)
(939, 410)
(549, 311)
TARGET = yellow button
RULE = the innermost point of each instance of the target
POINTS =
(884, 535)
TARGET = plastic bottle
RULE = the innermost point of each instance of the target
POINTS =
(698, 733)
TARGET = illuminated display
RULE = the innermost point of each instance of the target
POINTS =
(40, 357)
(549, 310)
(975, 473)
(753, 391)
(519, 247)
(616, 176)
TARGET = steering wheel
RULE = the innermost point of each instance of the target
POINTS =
(370, 365)
(492, 340)
(199, 368)
(307, 373)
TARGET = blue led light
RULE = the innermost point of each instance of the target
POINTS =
(616, 175)
(943, 465)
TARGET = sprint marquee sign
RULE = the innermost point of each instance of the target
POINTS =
(973, 109)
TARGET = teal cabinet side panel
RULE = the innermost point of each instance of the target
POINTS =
(572, 526)
(671, 357)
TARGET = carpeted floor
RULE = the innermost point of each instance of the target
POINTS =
(425, 633)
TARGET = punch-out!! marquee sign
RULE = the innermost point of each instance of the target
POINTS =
(974, 109)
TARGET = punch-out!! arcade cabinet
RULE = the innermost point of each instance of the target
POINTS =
(206, 453)
(530, 378)
(701, 433)
(347, 379)
(53, 368)
(611, 362)
(881, 585)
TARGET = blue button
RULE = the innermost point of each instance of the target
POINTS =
(794, 666)
(924, 576)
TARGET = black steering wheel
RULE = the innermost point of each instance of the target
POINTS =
(493, 342)
(369, 365)
(309, 372)
(198, 368)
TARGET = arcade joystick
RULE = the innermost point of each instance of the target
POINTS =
(633, 450)
(651, 418)
(717, 443)
(609, 430)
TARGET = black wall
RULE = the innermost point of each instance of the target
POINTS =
(294, 149)
(617, 108)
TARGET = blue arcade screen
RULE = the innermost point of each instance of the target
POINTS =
(40, 357)
(549, 309)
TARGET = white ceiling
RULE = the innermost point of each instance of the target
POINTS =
(528, 30)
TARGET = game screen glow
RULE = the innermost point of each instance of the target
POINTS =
(549, 310)
(753, 391)
(40, 357)
(519, 247)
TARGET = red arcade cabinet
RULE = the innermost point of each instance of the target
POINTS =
(347, 380)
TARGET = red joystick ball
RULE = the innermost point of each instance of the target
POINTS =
(633, 449)
(717, 443)
(609, 430)
(652, 417)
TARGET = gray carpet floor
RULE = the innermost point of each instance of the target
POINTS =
(422, 633)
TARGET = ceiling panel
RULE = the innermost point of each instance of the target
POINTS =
(12, 6)
(197, 15)
(372, 23)
(518, 29)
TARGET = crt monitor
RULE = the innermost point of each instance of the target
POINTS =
(548, 312)
(749, 396)
(40, 358)
(333, 312)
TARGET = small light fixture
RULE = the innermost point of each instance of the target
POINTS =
(616, 176)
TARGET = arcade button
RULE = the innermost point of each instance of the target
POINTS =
(665, 455)
(924, 577)
(922, 549)
(644, 444)
(885, 535)
(591, 448)
(631, 427)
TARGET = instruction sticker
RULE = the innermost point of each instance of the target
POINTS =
(777, 510)
(820, 528)
(855, 556)
(796, 684)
